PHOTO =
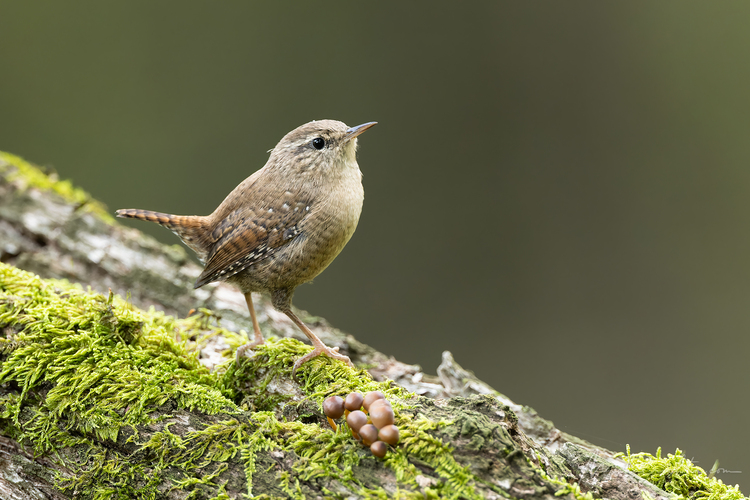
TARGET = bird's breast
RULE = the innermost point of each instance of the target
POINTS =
(323, 233)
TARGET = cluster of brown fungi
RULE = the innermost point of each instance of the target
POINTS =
(373, 426)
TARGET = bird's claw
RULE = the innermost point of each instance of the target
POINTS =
(241, 349)
(331, 352)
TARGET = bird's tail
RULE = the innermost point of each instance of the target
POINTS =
(192, 229)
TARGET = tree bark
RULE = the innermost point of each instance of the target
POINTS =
(492, 447)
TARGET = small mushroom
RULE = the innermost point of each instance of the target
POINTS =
(333, 407)
(370, 397)
(389, 434)
(369, 434)
(353, 401)
(356, 420)
(381, 415)
(379, 402)
(379, 449)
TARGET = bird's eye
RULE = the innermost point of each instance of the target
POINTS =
(318, 143)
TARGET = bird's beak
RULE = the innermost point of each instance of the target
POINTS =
(355, 131)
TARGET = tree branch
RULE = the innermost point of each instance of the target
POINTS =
(99, 399)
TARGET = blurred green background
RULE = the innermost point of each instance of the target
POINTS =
(556, 192)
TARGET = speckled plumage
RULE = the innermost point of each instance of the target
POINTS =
(283, 225)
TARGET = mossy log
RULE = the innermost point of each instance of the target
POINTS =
(105, 397)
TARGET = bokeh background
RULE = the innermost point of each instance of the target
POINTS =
(556, 192)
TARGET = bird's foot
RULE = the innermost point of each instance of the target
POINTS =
(321, 350)
(250, 345)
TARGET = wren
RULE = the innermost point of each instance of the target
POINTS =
(283, 225)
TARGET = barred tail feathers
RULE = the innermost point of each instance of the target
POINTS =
(192, 229)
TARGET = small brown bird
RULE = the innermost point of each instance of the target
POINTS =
(283, 225)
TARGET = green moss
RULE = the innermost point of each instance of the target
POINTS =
(16, 168)
(677, 474)
(98, 386)
(84, 346)
(81, 370)
(101, 386)
(87, 368)
(105, 389)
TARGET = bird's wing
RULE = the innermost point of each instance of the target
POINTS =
(251, 234)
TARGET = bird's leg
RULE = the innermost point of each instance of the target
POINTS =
(258, 340)
(319, 346)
